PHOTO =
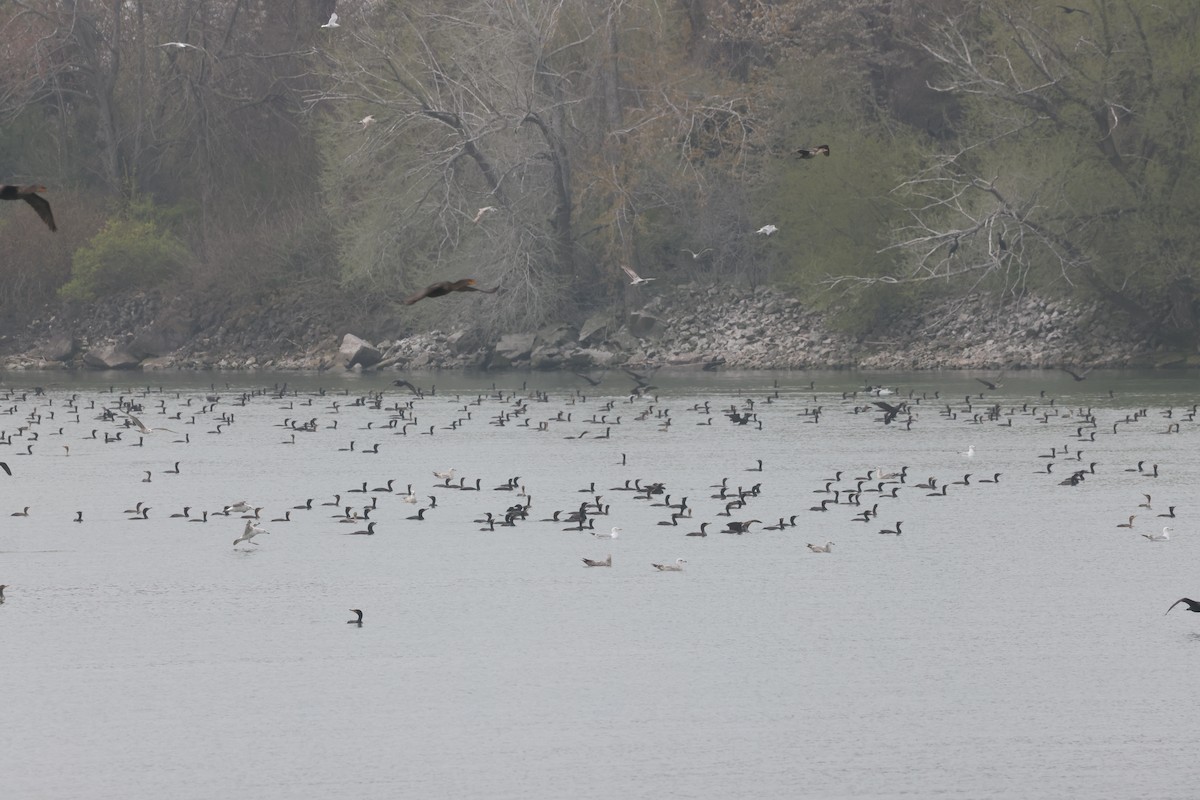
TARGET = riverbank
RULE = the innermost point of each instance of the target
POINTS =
(693, 326)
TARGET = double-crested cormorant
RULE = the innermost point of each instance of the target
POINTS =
(446, 287)
(30, 195)
(1192, 605)
(812, 152)
(356, 611)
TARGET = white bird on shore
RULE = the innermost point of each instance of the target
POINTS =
(333, 22)
(676, 567)
(613, 534)
(634, 278)
(1165, 536)
(767, 230)
(249, 533)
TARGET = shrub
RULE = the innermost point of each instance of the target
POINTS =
(126, 255)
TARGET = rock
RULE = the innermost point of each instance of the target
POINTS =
(110, 357)
(556, 335)
(515, 347)
(160, 338)
(59, 347)
(596, 329)
(357, 352)
(546, 358)
(642, 323)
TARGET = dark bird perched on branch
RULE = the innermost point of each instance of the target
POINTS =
(446, 287)
(29, 195)
(812, 152)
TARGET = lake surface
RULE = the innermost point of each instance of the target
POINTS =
(1011, 643)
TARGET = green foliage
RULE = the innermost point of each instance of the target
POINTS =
(126, 255)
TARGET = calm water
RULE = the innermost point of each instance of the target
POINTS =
(1012, 643)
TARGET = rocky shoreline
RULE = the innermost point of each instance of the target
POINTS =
(694, 326)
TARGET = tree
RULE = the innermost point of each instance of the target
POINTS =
(1076, 163)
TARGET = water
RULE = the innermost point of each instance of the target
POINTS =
(1011, 643)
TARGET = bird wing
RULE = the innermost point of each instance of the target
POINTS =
(633, 276)
(420, 295)
(1177, 602)
(6, 468)
(988, 384)
(492, 290)
(42, 207)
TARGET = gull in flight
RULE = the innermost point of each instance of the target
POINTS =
(1165, 536)
(676, 567)
(483, 212)
(367, 121)
(179, 45)
(333, 22)
(695, 256)
(613, 534)
(634, 278)
(767, 230)
(137, 423)
(249, 533)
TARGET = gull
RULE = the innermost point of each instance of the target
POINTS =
(587, 562)
(634, 278)
(249, 533)
(355, 611)
(483, 212)
(695, 256)
(137, 423)
(676, 567)
(816, 548)
(767, 230)
(367, 121)
(969, 452)
(1165, 536)
(240, 507)
(613, 534)
(179, 45)
(447, 475)
(333, 22)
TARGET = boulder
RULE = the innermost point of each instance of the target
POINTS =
(160, 338)
(59, 347)
(546, 358)
(110, 357)
(596, 329)
(642, 323)
(514, 347)
(355, 351)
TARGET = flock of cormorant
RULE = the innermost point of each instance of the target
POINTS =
(121, 416)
